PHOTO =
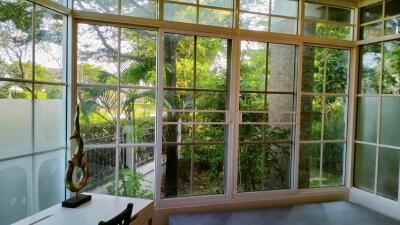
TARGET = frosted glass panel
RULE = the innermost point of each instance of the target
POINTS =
(388, 173)
(364, 170)
(15, 189)
(49, 178)
(16, 127)
(390, 123)
(367, 115)
(49, 118)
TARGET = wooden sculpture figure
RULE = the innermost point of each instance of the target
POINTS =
(77, 173)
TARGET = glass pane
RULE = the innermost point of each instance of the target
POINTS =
(335, 118)
(340, 15)
(101, 164)
(186, 1)
(138, 57)
(392, 8)
(284, 7)
(252, 133)
(16, 189)
(178, 133)
(177, 116)
(139, 8)
(265, 133)
(309, 166)
(392, 26)
(370, 71)
(315, 11)
(252, 101)
(206, 100)
(211, 63)
(282, 67)
(136, 173)
(260, 6)
(50, 117)
(178, 61)
(250, 165)
(388, 173)
(327, 30)
(332, 165)
(62, 2)
(281, 25)
(250, 21)
(49, 175)
(137, 116)
(337, 70)
(100, 6)
(391, 69)
(264, 167)
(253, 65)
(193, 170)
(208, 171)
(16, 40)
(265, 117)
(209, 133)
(15, 119)
(215, 17)
(98, 107)
(179, 13)
(218, 3)
(370, 13)
(97, 54)
(278, 132)
(310, 125)
(280, 103)
(210, 117)
(49, 52)
(390, 123)
(364, 168)
(367, 116)
(371, 30)
(313, 69)
(178, 100)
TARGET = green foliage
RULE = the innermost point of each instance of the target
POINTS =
(130, 185)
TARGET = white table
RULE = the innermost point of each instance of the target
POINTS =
(100, 208)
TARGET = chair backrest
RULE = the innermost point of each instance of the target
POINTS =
(124, 218)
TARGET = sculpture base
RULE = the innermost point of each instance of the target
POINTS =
(76, 201)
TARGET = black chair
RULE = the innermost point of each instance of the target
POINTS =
(124, 218)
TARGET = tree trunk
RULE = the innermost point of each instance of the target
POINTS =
(306, 115)
(170, 132)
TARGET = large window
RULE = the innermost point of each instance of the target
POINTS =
(269, 15)
(32, 109)
(323, 120)
(328, 21)
(266, 115)
(377, 151)
(116, 75)
(194, 117)
(380, 19)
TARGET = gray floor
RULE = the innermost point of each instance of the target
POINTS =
(330, 213)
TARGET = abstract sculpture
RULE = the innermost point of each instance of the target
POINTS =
(77, 173)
